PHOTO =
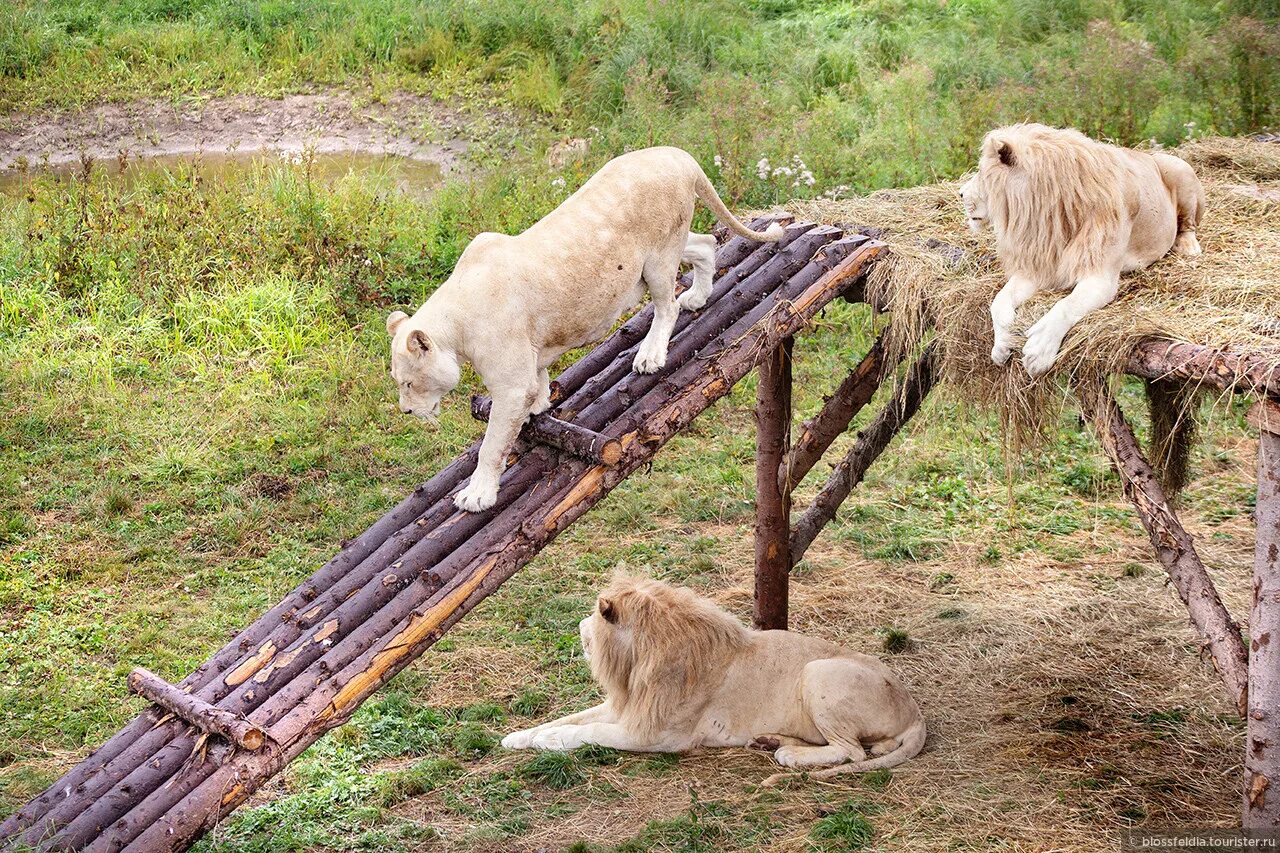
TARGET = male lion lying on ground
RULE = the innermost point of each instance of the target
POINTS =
(1072, 214)
(513, 305)
(678, 673)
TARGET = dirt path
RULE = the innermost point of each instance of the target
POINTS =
(405, 125)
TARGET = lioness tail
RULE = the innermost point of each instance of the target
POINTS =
(709, 196)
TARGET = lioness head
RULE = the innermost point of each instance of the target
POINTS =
(422, 371)
(975, 204)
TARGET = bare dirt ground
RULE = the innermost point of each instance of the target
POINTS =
(404, 125)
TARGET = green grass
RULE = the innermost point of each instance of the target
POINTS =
(831, 94)
(195, 405)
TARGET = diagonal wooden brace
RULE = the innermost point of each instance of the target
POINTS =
(872, 441)
(562, 435)
(838, 410)
(196, 711)
(1173, 545)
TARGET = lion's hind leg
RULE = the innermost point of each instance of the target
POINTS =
(700, 251)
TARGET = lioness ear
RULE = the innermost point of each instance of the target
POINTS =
(418, 341)
(1005, 153)
(608, 611)
(394, 319)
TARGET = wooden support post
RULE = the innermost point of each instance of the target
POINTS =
(773, 498)
(817, 433)
(562, 435)
(871, 443)
(194, 710)
(1173, 544)
(1262, 737)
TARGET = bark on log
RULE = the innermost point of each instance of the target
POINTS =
(871, 442)
(838, 411)
(750, 280)
(734, 261)
(1173, 545)
(199, 713)
(773, 498)
(562, 435)
(1224, 370)
(707, 382)
(1262, 738)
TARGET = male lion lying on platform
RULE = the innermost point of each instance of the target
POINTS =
(1072, 214)
(513, 305)
(678, 673)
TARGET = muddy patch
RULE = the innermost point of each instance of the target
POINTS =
(400, 127)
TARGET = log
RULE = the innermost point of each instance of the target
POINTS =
(752, 279)
(871, 442)
(562, 435)
(1173, 545)
(837, 412)
(1262, 737)
(773, 498)
(711, 379)
(199, 713)
(1221, 369)
(734, 261)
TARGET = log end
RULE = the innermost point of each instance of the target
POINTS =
(611, 453)
(252, 739)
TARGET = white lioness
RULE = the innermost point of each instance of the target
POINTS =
(513, 305)
(1072, 214)
(678, 673)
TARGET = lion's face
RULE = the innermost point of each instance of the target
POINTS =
(975, 204)
(423, 374)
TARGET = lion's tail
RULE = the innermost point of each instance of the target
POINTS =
(703, 189)
(909, 747)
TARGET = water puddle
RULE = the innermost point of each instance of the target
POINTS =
(414, 177)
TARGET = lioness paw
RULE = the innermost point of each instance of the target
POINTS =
(476, 497)
(649, 362)
(692, 300)
(1000, 354)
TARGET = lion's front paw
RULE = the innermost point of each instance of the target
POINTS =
(649, 362)
(522, 739)
(556, 739)
(476, 497)
(691, 300)
(1000, 354)
(1040, 352)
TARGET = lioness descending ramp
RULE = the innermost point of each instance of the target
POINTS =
(307, 664)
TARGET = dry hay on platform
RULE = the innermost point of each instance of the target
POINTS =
(1229, 297)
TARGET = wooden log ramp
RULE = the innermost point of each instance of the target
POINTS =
(305, 666)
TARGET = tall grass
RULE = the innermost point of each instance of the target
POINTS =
(870, 93)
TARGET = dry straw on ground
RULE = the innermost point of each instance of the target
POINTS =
(1227, 298)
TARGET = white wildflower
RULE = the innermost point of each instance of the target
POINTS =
(762, 168)
(719, 163)
(558, 183)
